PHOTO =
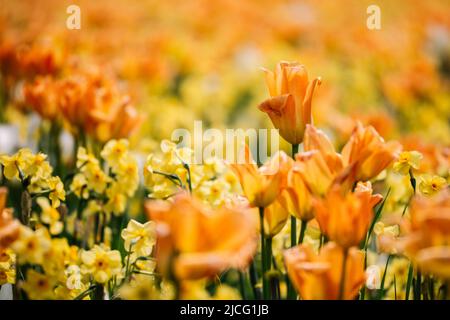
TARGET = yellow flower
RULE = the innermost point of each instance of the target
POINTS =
(141, 287)
(114, 151)
(84, 158)
(79, 186)
(7, 266)
(431, 184)
(127, 172)
(101, 263)
(96, 178)
(57, 192)
(12, 164)
(225, 292)
(38, 286)
(7, 276)
(139, 238)
(31, 245)
(117, 201)
(50, 216)
(406, 161)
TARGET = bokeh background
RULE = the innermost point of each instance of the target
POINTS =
(200, 60)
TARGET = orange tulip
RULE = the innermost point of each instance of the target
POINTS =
(318, 277)
(203, 242)
(291, 93)
(262, 185)
(427, 240)
(319, 165)
(92, 104)
(275, 217)
(345, 218)
(297, 198)
(40, 95)
(9, 227)
(367, 153)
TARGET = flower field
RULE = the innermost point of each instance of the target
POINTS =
(226, 150)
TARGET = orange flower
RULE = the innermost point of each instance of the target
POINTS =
(297, 198)
(9, 227)
(318, 277)
(40, 95)
(320, 165)
(275, 217)
(367, 153)
(262, 185)
(291, 93)
(92, 104)
(345, 218)
(427, 241)
(205, 242)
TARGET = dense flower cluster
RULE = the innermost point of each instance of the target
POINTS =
(97, 203)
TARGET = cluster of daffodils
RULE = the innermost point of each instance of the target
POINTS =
(173, 170)
(367, 220)
(107, 187)
(35, 174)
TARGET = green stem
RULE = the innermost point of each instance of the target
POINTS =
(302, 231)
(343, 275)
(418, 286)
(98, 292)
(271, 284)
(409, 281)
(263, 253)
(294, 150)
(242, 284)
(383, 279)
(257, 294)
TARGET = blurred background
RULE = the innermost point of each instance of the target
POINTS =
(182, 61)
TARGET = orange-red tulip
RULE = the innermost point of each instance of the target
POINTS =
(291, 93)
(318, 277)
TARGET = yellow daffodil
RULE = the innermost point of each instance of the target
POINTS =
(31, 246)
(38, 286)
(139, 238)
(114, 151)
(406, 161)
(101, 263)
(431, 184)
(50, 216)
